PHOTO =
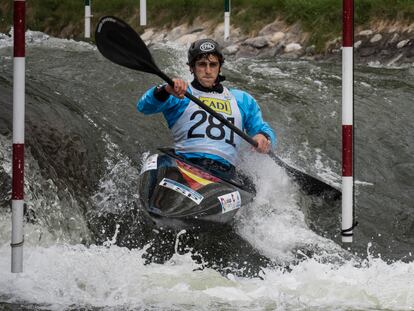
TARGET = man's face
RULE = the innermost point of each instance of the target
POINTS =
(206, 70)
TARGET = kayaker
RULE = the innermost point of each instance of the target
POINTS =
(198, 136)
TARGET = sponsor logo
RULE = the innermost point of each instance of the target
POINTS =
(183, 189)
(218, 105)
(230, 201)
(207, 47)
(150, 163)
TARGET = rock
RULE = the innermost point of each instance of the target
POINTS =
(277, 37)
(219, 31)
(309, 57)
(365, 33)
(367, 51)
(292, 55)
(189, 38)
(160, 37)
(394, 38)
(292, 47)
(196, 30)
(310, 50)
(236, 33)
(410, 52)
(402, 43)
(376, 38)
(385, 53)
(272, 28)
(333, 45)
(272, 51)
(231, 49)
(379, 44)
(257, 42)
(177, 32)
(278, 49)
(395, 60)
(146, 36)
(247, 51)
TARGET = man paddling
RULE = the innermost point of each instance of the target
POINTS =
(198, 136)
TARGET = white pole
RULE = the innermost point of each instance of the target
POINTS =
(347, 122)
(88, 16)
(143, 12)
(226, 19)
(19, 8)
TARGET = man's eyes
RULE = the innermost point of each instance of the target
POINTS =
(205, 64)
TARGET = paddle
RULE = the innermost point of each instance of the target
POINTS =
(118, 42)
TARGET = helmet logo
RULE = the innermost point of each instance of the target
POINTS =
(207, 47)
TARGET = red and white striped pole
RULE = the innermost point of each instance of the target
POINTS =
(347, 120)
(18, 135)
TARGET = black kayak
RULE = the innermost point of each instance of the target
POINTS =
(177, 194)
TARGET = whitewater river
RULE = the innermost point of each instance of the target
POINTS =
(85, 146)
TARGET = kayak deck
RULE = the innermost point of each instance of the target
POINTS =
(177, 194)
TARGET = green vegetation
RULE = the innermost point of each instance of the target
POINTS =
(321, 18)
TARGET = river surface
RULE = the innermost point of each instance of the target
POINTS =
(85, 144)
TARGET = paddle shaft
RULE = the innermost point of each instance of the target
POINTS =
(223, 120)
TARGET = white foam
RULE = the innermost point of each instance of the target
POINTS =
(274, 223)
(63, 276)
(37, 38)
(58, 216)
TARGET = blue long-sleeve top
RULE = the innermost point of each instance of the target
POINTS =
(173, 107)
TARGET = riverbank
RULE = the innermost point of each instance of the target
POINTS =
(388, 44)
(384, 32)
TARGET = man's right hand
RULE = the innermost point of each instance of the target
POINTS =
(180, 87)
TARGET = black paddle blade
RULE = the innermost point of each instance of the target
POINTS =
(309, 184)
(119, 43)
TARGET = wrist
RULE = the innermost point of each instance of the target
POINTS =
(265, 135)
(160, 93)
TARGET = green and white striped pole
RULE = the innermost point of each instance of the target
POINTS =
(226, 19)
(143, 12)
(88, 18)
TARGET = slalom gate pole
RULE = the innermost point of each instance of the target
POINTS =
(143, 12)
(226, 19)
(19, 8)
(88, 16)
(347, 121)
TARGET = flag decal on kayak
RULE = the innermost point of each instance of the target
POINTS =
(183, 189)
(194, 177)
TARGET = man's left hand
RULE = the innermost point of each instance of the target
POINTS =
(263, 143)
